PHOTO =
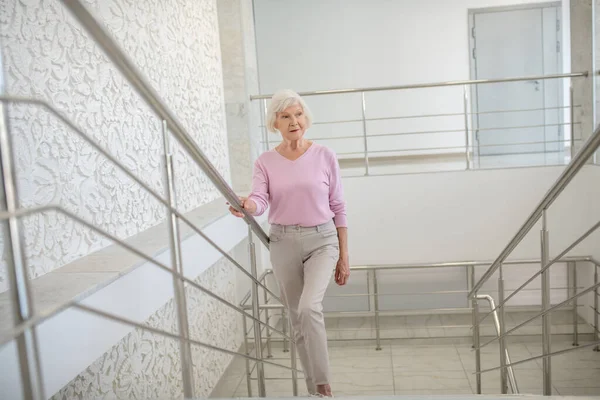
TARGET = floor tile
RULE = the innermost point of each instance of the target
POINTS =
(441, 362)
(362, 381)
(363, 350)
(349, 365)
(431, 380)
(565, 378)
(422, 392)
(578, 391)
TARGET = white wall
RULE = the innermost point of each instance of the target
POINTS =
(317, 45)
(461, 216)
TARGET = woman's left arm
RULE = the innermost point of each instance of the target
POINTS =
(342, 270)
(338, 207)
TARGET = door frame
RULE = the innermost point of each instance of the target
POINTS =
(474, 120)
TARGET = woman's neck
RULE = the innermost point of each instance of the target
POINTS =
(294, 145)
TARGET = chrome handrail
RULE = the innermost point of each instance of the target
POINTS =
(580, 159)
(34, 210)
(80, 133)
(145, 90)
(511, 373)
(430, 85)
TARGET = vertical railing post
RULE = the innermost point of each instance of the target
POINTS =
(269, 334)
(376, 305)
(470, 284)
(546, 319)
(260, 372)
(572, 284)
(247, 351)
(596, 308)
(501, 332)
(264, 120)
(19, 289)
(294, 364)
(366, 142)
(466, 116)
(177, 266)
(572, 124)
(476, 342)
(285, 325)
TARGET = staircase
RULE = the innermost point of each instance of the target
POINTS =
(154, 337)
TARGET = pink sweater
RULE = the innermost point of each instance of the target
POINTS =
(306, 192)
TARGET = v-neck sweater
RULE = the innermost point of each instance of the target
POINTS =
(303, 192)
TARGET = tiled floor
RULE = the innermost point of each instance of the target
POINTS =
(358, 369)
(439, 326)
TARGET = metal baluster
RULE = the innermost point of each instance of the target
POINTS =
(247, 350)
(263, 117)
(177, 265)
(466, 114)
(294, 364)
(476, 342)
(470, 283)
(572, 112)
(269, 333)
(284, 319)
(260, 372)
(502, 331)
(20, 291)
(572, 275)
(364, 121)
(376, 304)
(596, 309)
(546, 326)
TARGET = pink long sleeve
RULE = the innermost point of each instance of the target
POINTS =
(305, 192)
(336, 194)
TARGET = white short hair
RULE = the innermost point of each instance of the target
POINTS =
(282, 100)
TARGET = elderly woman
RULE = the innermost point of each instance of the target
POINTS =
(300, 181)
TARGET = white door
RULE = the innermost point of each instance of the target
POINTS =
(516, 122)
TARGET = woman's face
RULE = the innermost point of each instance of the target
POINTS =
(291, 122)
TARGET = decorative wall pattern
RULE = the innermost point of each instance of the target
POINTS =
(145, 365)
(48, 55)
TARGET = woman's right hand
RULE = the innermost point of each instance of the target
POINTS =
(247, 204)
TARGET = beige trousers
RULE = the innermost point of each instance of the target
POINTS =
(303, 263)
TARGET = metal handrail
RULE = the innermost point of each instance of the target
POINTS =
(161, 332)
(430, 85)
(145, 90)
(452, 264)
(439, 115)
(34, 210)
(79, 132)
(554, 261)
(510, 372)
(556, 353)
(445, 131)
(586, 152)
(590, 289)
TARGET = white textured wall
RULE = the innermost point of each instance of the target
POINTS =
(47, 55)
